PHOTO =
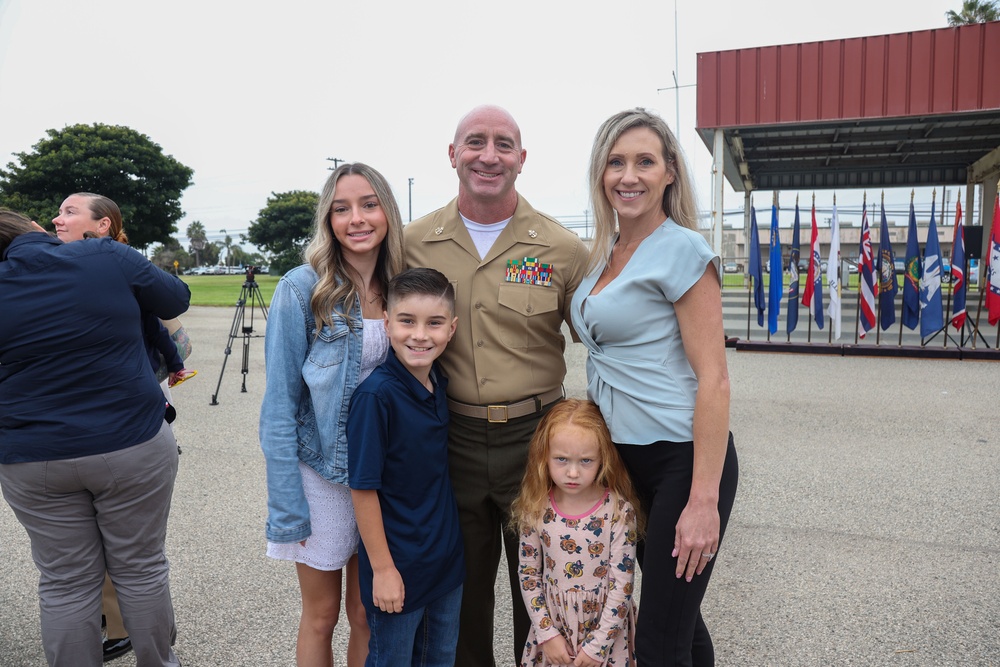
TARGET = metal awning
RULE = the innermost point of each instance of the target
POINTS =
(859, 153)
(901, 110)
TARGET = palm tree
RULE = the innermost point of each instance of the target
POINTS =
(226, 243)
(196, 234)
(974, 11)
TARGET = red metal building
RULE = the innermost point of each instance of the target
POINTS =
(901, 110)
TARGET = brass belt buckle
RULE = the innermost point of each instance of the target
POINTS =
(500, 411)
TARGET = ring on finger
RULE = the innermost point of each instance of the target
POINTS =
(708, 556)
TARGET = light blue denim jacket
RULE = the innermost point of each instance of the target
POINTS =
(310, 380)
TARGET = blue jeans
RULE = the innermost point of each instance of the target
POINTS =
(424, 637)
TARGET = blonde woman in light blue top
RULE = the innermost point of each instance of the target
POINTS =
(650, 314)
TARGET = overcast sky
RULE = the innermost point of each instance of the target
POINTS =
(256, 96)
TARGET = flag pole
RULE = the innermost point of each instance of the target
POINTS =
(857, 314)
(770, 271)
(749, 273)
(749, 302)
(878, 302)
(829, 338)
(791, 256)
(979, 307)
(902, 302)
(951, 279)
(809, 329)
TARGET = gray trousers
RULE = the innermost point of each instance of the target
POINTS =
(85, 515)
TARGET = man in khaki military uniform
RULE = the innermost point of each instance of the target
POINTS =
(515, 271)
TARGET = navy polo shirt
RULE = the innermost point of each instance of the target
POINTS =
(397, 440)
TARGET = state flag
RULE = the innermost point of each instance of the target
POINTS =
(958, 271)
(993, 268)
(886, 270)
(833, 274)
(793, 276)
(911, 280)
(812, 296)
(931, 312)
(776, 288)
(756, 270)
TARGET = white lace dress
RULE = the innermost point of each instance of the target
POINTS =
(334, 536)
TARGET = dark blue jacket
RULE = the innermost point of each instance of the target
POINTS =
(75, 379)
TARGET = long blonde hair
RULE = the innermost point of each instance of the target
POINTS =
(339, 284)
(527, 509)
(678, 199)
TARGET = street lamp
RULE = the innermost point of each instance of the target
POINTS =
(411, 199)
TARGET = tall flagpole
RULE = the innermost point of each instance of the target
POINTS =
(809, 331)
(829, 338)
(770, 271)
(903, 300)
(951, 278)
(857, 315)
(749, 270)
(837, 269)
(878, 301)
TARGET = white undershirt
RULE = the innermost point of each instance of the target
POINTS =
(484, 235)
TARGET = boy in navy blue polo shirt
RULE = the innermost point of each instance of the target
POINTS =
(411, 563)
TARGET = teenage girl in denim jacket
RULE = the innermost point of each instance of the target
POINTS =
(325, 333)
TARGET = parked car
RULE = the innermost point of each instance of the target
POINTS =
(730, 267)
(900, 266)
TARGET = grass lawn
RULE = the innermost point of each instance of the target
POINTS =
(225, 290)
(732, 280)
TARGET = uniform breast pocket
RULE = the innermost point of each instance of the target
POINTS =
(330, 347)
(526, 314)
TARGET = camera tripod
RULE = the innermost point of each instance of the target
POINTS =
(251, 293)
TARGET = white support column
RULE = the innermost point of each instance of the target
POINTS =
(718, 189)
(970, 201)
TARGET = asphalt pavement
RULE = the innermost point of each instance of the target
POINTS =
(866, 529)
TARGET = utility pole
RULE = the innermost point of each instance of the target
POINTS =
(411, 199)
(336, 162)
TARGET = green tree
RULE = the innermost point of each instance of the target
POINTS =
(238, 256)
(227, 245)
(167, 252)
(284, 226)
(198, 240)
(974, 11)
(209, 254)
(111, 160)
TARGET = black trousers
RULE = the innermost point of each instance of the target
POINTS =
(670, 629)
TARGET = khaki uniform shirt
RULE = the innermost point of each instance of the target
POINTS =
(508, 345)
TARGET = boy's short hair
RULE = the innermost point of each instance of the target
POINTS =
(420, 282)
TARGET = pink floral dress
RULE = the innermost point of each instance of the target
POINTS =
(576, 577)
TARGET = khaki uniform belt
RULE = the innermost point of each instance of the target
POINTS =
(502, 413)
